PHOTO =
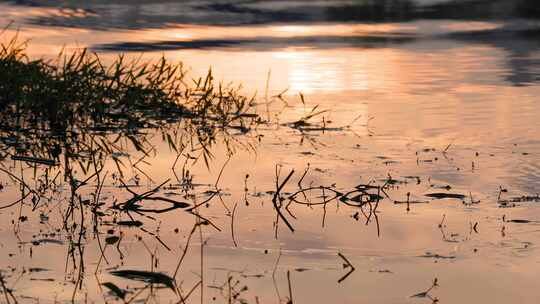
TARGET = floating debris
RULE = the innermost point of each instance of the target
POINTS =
(425, 294)
(43, 280)
(300, 269)
(130, 223)
(117, 291)
(436, 256)
(47, 241)
(112, 240)
(38, 269)
(445, 187)
(146, 276)
(382, 271)
(37, 160)
(522, 199)
(521, 221)
(439, 195)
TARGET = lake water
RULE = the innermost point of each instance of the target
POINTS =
(423, 97)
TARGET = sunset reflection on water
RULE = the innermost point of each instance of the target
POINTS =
(441, 102)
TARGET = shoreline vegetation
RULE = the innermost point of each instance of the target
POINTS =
(77, 93)
(77, 90)
(76, 109)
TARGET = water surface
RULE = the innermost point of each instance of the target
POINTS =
(445, 95)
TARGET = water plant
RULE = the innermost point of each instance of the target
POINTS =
(45, 104)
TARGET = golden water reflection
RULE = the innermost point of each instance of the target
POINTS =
(429, 92)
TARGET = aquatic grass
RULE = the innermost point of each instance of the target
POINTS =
(77, 91)
(78, 105)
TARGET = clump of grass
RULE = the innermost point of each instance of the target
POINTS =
(77, 91)
(50, 106)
